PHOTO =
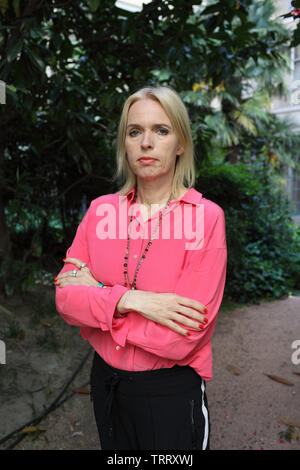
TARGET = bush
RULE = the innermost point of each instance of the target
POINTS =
(263, 241)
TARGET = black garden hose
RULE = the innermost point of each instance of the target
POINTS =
(55, 404)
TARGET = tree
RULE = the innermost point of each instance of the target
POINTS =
(68, 67)
(294, 13)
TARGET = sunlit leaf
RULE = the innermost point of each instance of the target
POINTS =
(281, 380)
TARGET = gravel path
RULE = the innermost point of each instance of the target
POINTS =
(245, 404)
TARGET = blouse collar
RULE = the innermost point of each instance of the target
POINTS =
(191, 196)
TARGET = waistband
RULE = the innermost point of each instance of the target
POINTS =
(176, 380)
(158, 382)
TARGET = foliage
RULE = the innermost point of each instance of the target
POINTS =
(261, 236)
(294, 13)
(68, 67)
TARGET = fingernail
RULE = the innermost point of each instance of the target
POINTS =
(205, 320)
(188, 333)
(55, 278)
(64, 259)
(205, 310)
(201, 326)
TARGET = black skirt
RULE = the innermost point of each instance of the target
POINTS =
(162, 409)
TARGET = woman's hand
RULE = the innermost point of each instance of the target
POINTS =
(165, 308)
(83, 276)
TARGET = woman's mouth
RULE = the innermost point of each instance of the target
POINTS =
(147, 160)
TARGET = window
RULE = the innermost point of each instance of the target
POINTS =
(293, 187)
(296, 62)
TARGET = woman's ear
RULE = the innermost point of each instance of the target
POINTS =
(180, 150)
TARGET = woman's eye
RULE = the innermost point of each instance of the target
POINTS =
(133, 133)
(162, 131)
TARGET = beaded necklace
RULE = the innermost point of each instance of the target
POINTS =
(133, 284)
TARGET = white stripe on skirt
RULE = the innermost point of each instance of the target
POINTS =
(205, 414)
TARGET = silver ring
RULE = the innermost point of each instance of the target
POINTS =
(74, 272)
(82, 265)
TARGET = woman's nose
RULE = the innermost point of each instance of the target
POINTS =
(147, 140)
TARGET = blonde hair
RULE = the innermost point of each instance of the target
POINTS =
(175, 109)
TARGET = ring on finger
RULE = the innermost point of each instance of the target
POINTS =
(74, 272)
(82, 265)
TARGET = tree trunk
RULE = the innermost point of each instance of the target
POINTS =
(233, 154)
(4, 233)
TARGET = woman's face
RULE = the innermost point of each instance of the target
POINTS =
(149, 133)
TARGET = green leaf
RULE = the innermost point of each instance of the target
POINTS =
(14, 50)
(36, 60)
(211, 9)
(94, 4)
(3, 6)
(16, 4)
(12, 88)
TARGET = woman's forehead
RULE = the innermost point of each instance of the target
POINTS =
(147, 111)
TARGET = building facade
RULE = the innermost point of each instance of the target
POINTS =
(289, 108)
(283, 108)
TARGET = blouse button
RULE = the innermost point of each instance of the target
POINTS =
(118, 347)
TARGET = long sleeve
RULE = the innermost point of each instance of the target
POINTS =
(87, 306)
(202, 280)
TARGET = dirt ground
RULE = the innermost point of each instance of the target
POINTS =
(248, 409)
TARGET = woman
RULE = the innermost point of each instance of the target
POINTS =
(159, 249)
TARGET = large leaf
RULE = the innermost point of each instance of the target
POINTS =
(94, 4)
(14, 50)
(36, 60)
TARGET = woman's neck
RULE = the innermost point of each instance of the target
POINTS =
(149, 197)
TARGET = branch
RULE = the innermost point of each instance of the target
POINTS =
(72, 186)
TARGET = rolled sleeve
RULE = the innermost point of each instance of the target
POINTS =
(92, 307)
(89, 306)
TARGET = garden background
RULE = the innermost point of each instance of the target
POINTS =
(68, 66)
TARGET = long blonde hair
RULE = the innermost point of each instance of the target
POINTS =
(175, 109)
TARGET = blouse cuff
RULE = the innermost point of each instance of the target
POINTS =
(116, 322)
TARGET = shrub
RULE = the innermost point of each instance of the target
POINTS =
(263, 242)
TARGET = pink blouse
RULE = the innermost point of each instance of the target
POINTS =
(188, 256)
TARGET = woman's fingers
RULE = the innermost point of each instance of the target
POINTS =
(69, 278)
(192, 315)
(177, 328)
(188, 322)
(68, 274)
(185, 301)
(75, 261)
(83, 279)
(173, 326)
